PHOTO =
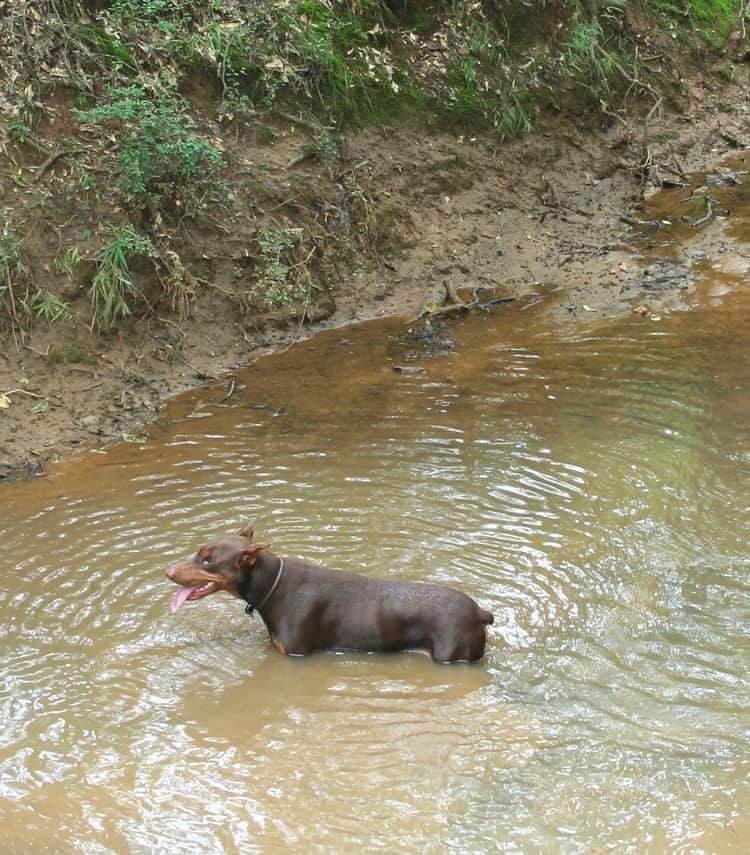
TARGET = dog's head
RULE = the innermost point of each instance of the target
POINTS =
(220, 565)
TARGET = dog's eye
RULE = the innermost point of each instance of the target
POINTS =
(206, 562)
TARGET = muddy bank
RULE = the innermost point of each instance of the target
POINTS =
(560, 211)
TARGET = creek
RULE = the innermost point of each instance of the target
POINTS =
(585, 481)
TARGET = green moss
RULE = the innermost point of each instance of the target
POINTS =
(664, 137)
(711, 19)
(107, 45)
(265, 135)
(71, 353)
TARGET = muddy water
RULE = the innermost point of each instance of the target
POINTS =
(589, 485)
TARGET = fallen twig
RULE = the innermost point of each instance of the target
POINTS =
(651, 224)
(451, 308)
(232, 387)
(21, 392)
(52, 160)
(43, 353)
(305, 123)
(709, 215)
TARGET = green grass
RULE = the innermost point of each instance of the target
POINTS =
(113, 290)
(51, 308)
(514, 115)
(330, 54)
(15, 282)
(586, 56)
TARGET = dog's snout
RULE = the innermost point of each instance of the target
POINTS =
(170, 571)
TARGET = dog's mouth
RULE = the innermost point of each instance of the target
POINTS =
(192, 592)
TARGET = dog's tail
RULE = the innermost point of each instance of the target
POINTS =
(485, 616)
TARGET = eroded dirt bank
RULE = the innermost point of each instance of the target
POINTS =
(556, 210)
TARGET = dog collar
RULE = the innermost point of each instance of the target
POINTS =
(250, 608)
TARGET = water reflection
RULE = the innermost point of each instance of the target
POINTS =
(588, 487)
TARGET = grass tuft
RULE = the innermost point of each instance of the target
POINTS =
(113, 289)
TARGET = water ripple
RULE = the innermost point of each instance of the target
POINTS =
(588, 489)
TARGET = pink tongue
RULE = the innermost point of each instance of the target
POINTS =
(179, 598)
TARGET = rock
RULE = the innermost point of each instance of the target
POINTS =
(664, 275)
(91, 423)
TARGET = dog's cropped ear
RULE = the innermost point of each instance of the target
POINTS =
(248, 531)
(250, 553)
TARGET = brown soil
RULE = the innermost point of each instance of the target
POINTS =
(439, 210)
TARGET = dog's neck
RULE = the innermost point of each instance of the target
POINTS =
(260, 583)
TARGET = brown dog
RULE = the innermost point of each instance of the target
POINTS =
(307, 608)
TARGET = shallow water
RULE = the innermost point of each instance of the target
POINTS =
(587, 484)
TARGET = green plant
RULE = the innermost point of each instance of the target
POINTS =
(467, 96)
(15, 281)
(161, 158)
(585, 56)
(143, 11)
(326, 51)
(18, 130)
(514, 113)
(265, 135)
(51, 308)
(68, 261)
(484, 42)
(275, 285)
(326, 147)
(113, 286)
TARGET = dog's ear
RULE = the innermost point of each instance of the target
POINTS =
(248, 531)
(250, 553)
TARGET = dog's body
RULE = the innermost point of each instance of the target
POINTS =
(307, 608)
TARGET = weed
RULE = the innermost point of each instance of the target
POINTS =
(472, 96)
(113, 286)
(265, 135)
(468, 95)
(322, 50)
(161, 158)
(484, 42)
(612, 11)
(586, 58)
(18, 130)
(68, 261)
(51, 308)
(275, 286)
(325, 147)
(15, 282)
(514, 114)
(143, 11)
